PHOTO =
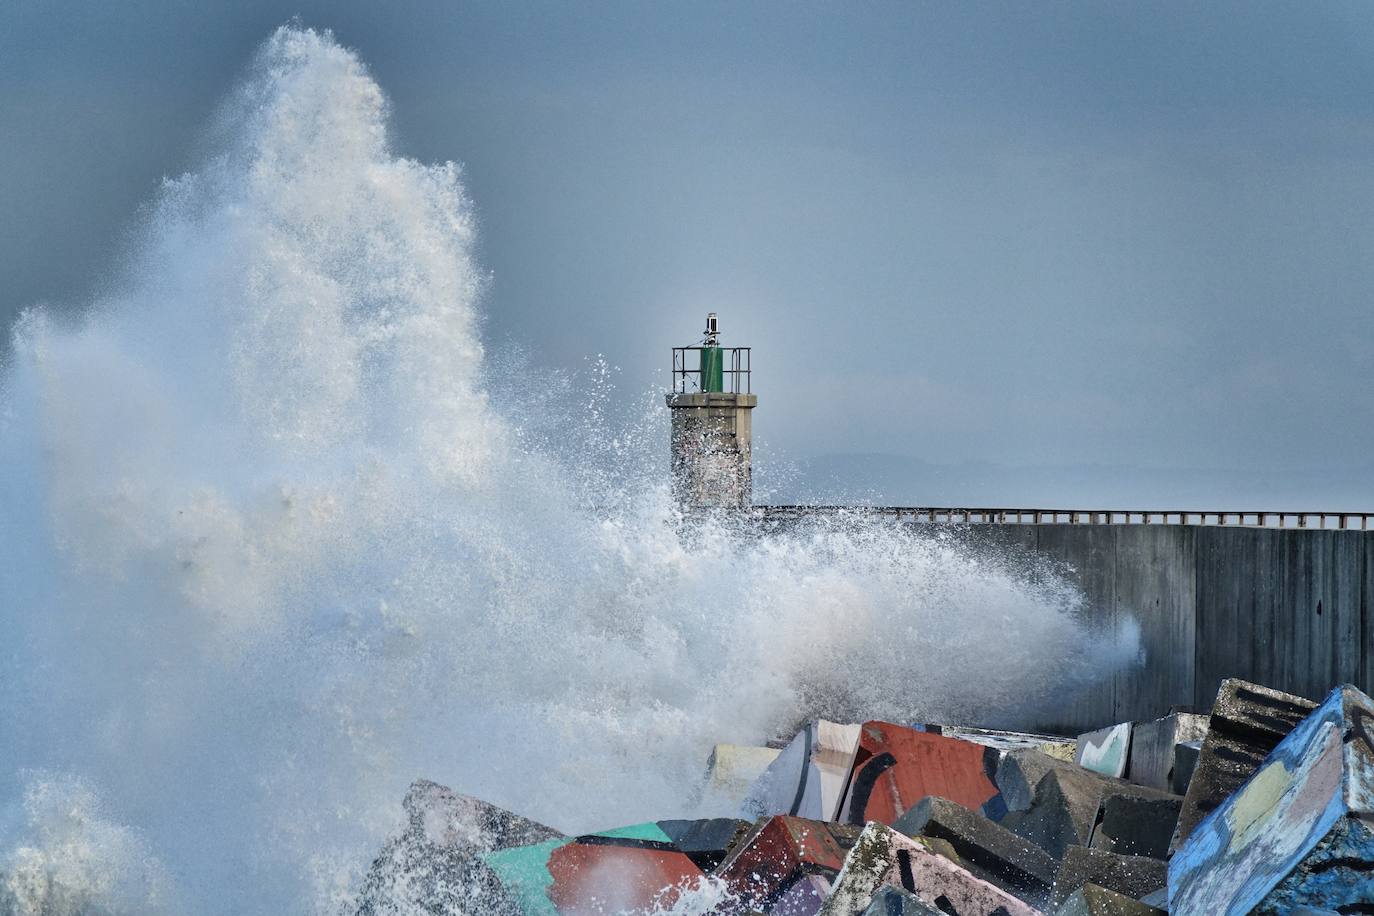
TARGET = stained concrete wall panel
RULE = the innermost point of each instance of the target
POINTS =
(1344, 582)
(1228, 596)
(1088, 556)
(1155, 583)
(1315, 609)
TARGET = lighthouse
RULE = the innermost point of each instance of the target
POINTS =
(712, 428)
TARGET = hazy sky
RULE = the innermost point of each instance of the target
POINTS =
(1074, 252)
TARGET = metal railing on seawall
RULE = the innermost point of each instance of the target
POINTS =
(1342, 521)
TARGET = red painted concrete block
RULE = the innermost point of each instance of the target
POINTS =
(896, 767)
(612, 878)
(782, 851)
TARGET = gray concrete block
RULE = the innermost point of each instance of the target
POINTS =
(1185, 762)
(706, 842)
(1152, 759)
(1248, 721)
(1064, 803)
(1018, 773)
(1132, 876)
(1050, 822)
(1136, 826)
(1094, 900)
(989, 850)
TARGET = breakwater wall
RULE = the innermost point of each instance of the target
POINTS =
(1282, 599)
(1284, 607)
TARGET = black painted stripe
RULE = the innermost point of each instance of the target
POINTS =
(805, 771)
(904, 867)
(862, 786)
(632, 842)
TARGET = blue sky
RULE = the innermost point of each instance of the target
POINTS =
(1102, 254)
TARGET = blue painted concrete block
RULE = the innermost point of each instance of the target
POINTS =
(1296, 833)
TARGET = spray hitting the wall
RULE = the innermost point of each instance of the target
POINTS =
(278, 542)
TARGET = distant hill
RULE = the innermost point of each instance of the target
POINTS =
(885, 479)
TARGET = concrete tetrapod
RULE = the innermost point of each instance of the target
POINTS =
(1297, 833)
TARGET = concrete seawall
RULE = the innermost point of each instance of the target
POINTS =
(1287, 608)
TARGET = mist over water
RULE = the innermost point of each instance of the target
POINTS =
(279, 538)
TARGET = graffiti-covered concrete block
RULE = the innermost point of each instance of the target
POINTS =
(882, 856)
(1154, 748)
(896, 767)
(893, 901)
(808, 778)
(435, 865)
(1092, 900)
(1136, 826)
(779, 852)
(1106, 751)
(1297, 833)
(988, 849)
(1133, 876)
(1247, 722)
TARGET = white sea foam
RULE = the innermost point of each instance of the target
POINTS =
(278, 542)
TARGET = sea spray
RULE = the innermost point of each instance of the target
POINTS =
(273, 550)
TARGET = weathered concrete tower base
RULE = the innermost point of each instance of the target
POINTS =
(712, 440)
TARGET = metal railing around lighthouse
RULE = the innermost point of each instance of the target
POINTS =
(687, 368)
(1341, 521)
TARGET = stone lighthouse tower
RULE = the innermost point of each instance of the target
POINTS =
(712, 405)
